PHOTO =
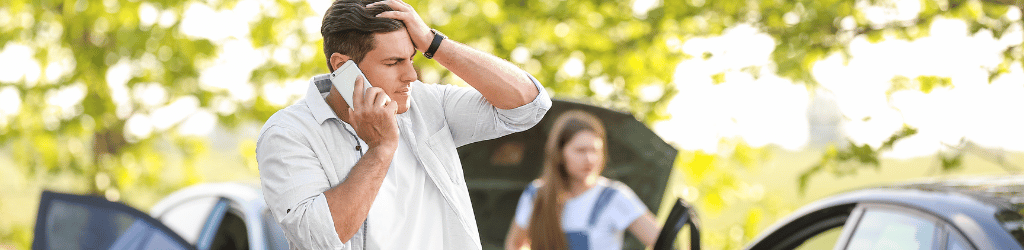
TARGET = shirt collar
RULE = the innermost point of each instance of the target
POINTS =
(316, 103)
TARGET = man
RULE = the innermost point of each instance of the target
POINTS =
(384, 173)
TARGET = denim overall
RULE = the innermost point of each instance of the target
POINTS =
(580, 240)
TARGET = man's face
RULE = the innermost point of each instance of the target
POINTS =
(389, 66)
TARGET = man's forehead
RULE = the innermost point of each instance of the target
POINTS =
(393, 44)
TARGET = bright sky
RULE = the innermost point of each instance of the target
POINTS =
(763, 111)
(770, 110)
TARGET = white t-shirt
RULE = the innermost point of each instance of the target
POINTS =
(406, 212)
(605, 229)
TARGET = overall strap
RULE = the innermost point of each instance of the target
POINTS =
(602, 202)
(531, 191)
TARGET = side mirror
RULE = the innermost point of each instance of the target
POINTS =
(680, 216)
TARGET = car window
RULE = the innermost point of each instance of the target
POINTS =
(231, 234)
(955, 243)
(83, 222)
(823, 240)
(889, 229)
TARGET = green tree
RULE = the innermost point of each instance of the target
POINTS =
(606, 52)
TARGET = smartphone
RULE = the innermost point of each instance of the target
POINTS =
(344, 78)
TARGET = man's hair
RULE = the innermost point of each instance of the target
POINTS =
(348, 28)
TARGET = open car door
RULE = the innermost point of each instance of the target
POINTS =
(67, 221)
(681, 215)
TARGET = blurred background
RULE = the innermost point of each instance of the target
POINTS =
(772, 103)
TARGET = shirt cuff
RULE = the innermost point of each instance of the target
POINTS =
(536, 108)
(330, 234)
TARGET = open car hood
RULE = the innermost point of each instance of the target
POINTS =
(498, 170)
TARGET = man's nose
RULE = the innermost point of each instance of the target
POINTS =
(408, 72)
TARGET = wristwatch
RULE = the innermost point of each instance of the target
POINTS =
(429, 54)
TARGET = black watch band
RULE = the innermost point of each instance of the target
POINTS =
(429, 54)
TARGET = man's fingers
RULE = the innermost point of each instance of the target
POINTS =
(395, 5)
(400, 2)
(375, 4)
(357, 92)
(398, 15)
(391, 107)
(381, 99)
(370, 97)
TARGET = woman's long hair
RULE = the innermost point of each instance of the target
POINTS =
(545, 227)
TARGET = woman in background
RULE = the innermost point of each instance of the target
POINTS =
(571, 206)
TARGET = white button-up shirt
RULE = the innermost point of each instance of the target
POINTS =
(304, 150)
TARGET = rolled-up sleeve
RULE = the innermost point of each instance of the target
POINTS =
(472, 118)
(293, 185)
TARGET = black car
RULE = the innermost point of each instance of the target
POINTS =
(982, 213)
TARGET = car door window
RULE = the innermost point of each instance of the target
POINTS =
(231, 233)
(891, 229)
(954, 243)
(68, 221)
(823, 240)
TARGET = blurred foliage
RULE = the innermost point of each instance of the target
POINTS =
(923, 83)
(732, 209)
(568, 45)
(847, 162)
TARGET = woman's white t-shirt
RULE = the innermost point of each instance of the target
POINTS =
(617, 208)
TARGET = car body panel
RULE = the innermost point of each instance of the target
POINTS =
(246, 200)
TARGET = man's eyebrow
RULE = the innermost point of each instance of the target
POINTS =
(399, 59)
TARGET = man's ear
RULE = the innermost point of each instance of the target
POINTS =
(337, 59)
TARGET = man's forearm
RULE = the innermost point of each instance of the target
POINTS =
(350, 201)
(503, 85)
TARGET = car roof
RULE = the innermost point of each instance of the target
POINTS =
(246, 194)
(999, 191)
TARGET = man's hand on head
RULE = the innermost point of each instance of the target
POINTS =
(418, 30)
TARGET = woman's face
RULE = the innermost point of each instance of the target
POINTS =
(584, 157)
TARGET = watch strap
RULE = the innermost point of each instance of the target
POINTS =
(438, 37)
